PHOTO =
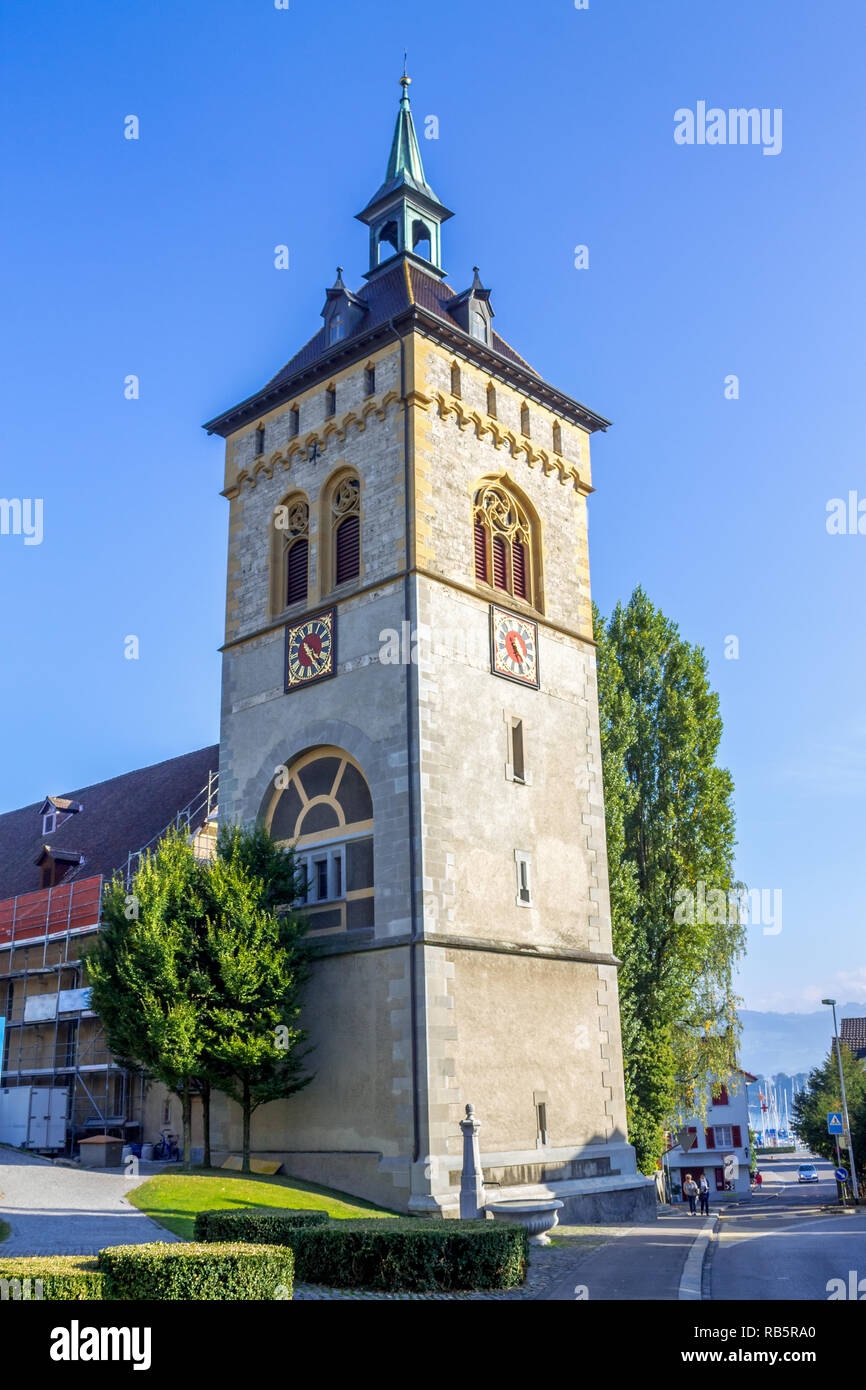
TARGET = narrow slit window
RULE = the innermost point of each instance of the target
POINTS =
(541, 1115)
(294, 421)
(557, 438)
(517, 764)
(524, 420)
(321, 867)
(331, 401)
(491, 400)
(455, 379)
(260, 440)
(369, 381)
(524, 887)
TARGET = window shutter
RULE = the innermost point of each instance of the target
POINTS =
(348, 549)
(499, 567)
(297, 569)
(738, 1136)
(518, 560)
(480, 550)
(710, 1144)
(720, 1179)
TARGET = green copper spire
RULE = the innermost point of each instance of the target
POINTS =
(405, 160)
(405, 215)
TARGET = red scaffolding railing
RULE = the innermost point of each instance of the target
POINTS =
(51, 911)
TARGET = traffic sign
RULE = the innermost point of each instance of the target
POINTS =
(841, 1174)
(834, 1122)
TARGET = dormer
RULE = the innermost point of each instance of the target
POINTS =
(342, 313)
(55, 864)
(471, 310)
(55, 810)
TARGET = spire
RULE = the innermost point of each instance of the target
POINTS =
(404, 215)
(405, 158)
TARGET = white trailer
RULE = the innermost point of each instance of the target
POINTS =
(33, 1117)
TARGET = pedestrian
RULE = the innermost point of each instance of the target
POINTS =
(758, 1178)
(690, 1190)
(704, 1192)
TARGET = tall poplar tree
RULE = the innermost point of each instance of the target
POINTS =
(670, 828)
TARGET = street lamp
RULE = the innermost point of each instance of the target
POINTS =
(832, 1003)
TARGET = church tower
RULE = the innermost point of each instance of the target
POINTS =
(409, 700)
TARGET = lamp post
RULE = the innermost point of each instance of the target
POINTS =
(855, 1187)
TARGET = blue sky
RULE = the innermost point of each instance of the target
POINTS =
(260, 127)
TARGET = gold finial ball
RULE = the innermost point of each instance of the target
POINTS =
(405, 80)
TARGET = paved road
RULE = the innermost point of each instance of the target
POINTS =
(782, 1246)
(67, 1211)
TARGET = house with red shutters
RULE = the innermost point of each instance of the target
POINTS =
(715, 1145)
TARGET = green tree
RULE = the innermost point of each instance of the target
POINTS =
(255, 1050)
(146, 972)
(670, 832)
(823, 1094)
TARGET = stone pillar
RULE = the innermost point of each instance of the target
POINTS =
(471, 1178)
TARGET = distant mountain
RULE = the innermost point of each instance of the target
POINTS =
(789, 1043)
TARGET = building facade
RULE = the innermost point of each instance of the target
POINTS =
(716, 1146)
(409, 700)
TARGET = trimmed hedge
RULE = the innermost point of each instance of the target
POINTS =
(163, 1271)
(411, 1254)
(55, 1278)
(255, 1225)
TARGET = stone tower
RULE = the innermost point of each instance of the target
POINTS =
(409, 699)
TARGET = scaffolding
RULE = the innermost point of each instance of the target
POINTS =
(52, 1036)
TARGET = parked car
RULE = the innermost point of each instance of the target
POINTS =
(807, 1172)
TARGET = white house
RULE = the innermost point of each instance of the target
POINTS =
(717, 1146)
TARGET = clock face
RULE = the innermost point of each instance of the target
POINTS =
(310, 654)
(514, 647)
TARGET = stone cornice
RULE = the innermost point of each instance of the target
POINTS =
(339, 946)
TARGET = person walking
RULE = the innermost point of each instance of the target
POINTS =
(704, 1194)
(690, 1190)
(758, 1179)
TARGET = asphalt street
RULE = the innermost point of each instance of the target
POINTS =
(783, 1246)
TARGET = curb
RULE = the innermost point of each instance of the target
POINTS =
(691, 1279)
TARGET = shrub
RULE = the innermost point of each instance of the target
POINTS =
(411, 1254)
(255, 1226)
(186, 1271)
(55, 1278)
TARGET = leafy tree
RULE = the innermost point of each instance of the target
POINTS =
(255, 1050)
(146, 972)
(670, 832)
(822, 1094)
(198, 981)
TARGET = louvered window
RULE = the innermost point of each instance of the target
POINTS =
(348, 549)
(297, 570)
(502, 541)
(500, 565)
(480, 550)
(518, 564)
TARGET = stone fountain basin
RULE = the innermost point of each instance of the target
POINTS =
(539, 1215)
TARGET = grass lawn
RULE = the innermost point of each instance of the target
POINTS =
(5, 1230)
(173, 1199)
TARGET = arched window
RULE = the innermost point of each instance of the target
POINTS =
(324, 810)
(338, 327)
(524, 419)
(455, 379)
(491, 400)
(503, 543)
(557, 437)
(291, 559)
(346, 529)
(387, 241)
(479, 326)
(421, 240)
(260, 440)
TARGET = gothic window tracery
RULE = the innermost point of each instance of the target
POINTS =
(503, 543)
